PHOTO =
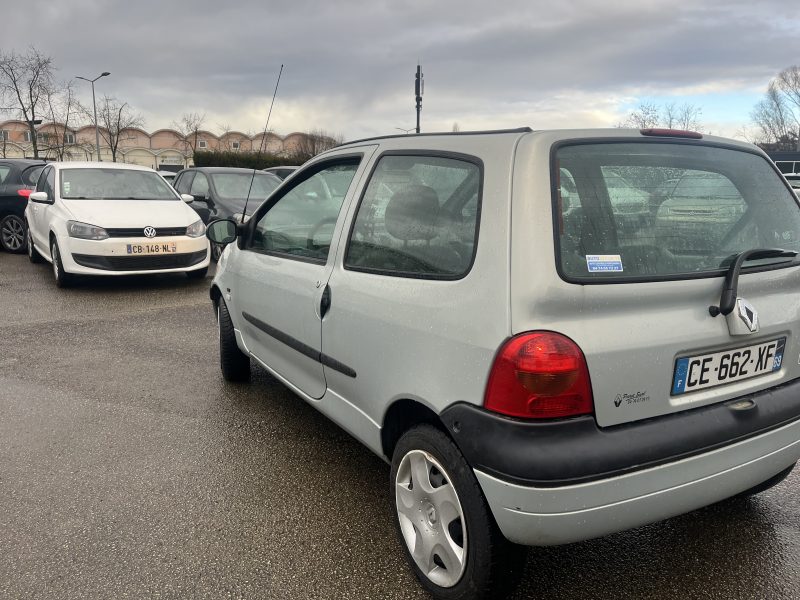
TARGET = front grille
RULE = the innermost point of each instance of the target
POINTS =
(140, 263)
(138, 232)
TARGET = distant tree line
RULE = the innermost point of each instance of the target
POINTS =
(649, 115)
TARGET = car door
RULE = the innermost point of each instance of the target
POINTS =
(202, 202)
(284, 268)
(39, 224)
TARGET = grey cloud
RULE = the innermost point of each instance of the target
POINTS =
(172, 57)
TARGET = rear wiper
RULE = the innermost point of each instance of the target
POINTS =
(729, 290)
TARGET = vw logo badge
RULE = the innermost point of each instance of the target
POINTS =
(748, 314)
(150, 232)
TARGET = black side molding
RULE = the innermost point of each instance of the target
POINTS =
(299, 346)
(572, 451)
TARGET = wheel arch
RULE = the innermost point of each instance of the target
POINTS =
(402, 415)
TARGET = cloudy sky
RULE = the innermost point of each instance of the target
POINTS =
(349, 66)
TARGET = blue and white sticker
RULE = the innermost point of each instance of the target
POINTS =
(604, 263)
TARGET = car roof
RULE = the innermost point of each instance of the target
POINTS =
(222, 170)
(451, 139)
(23, 162)
(99, 165)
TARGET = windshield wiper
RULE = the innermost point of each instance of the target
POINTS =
(727, 300)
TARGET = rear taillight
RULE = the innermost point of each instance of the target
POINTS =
(25, 193)
(539, 375)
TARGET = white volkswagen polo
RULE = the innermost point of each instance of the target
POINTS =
(93, 218)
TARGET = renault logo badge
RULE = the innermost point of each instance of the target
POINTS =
(150, 232)
(747, 314)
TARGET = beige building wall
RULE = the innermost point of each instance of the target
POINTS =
(159, 149)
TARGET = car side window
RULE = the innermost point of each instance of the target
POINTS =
(418, 218)
(199, 185)
(301, 221)
(180, 183)
(50, 183)
(4, 171)
(46, 182)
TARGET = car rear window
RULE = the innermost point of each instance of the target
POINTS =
(665, 210)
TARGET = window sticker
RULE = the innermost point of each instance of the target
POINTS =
(603, 263)
(66, 188)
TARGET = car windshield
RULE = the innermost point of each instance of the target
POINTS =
(235, 186)
(666, 210)
(109, 183)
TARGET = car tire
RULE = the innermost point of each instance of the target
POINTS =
(765, 485)
(465, 557)
(33, 253)
(63, 279)
(12, 234)
(234, 363)
(197, 274)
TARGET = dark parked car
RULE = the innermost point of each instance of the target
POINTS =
(17, 178)
(283, 171)
(221, 193)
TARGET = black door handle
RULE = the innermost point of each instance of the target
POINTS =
(325, 301)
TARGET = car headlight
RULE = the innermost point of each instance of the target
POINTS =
(85, 231)
(196, 229)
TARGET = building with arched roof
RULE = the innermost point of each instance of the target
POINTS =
(163, 149)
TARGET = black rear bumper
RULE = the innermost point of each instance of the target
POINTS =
(571, 451)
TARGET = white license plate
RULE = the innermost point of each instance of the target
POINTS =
(154, 248)
(703, 371)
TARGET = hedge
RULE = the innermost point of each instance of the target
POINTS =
(246, 160)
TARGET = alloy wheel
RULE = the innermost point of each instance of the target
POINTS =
(431, 518)
(12, 233)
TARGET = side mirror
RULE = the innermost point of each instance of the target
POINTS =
(222, 231)
(188, 198)
(40, 197)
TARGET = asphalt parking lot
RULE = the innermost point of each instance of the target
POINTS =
(129, 469)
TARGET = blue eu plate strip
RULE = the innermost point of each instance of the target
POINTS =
(679, 381)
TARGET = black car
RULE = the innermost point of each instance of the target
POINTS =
(17, 178)
(283, 171)
(222, 192)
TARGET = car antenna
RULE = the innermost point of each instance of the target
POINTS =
(261, 145)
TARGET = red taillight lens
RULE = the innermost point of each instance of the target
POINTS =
(539, 375)
(24, 192)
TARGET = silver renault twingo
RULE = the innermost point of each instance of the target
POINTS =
(537, 368)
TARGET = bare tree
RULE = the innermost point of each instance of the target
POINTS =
(314, 142)
(456, 127)
(114, 117)
(645, 116)
(672, 116)
(777, 114)
(24, 82)
(684, 116)
(62, 107)
(189, 127)
(224, 140)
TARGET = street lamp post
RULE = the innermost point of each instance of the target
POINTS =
(94, 105)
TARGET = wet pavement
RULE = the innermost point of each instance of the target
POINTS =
(130, 469)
